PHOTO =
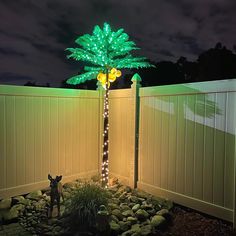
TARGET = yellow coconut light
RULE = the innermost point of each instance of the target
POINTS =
(111, 77)
(114, 73)
(101, 77)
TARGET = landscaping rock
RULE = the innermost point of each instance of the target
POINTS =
(147, 206)
(47, 198)
(146, 222)
(151, 212)
(135, 234)
(141, 214)
(117, 194)
(127, 213)
(157, 220)
(124, 207)
(124, 226)
(35, 195)
(132, 220)
(19, 207)
(26, 202)
(114, 218)
(113, 206)
(57, 228)
(146, 230)
(5, 203)
(136, 207)
(122, 188)
(163, 212)
(160, 203)
(131, 204)
(114, 226)
(17, 199)
(40, 205)
(142, 194)
(11, 215)
(142, 199)
(115, 200)
(113, 189)
(134, 199)
(123, 196)
(117, 213)
(135, 228)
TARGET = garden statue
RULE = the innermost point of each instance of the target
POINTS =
(56, 193)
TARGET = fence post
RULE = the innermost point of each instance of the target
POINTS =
(100, 120)
(136, 79)
(234, 196)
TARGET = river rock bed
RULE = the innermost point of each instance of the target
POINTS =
(131, 212)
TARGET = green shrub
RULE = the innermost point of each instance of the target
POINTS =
(83, 205)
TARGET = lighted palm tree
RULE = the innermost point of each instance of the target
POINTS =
(106, 51)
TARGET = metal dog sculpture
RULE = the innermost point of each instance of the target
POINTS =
(56, 193)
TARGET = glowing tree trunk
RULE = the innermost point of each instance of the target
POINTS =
(105, 161)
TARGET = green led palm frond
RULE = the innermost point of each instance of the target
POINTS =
(131, 62)
(83, 55)
(122, 51)
(104, 49)
(93, 68)
(78, 79)
(134, 65)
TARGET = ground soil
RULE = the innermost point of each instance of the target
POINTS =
(187, 222)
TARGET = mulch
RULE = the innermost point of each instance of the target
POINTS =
(188, 222)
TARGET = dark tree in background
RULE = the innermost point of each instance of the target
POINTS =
(89, 85)
(187, 69)
(33, 84)
(217, 63)
(166, 72)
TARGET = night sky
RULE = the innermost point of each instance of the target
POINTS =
(34, 34)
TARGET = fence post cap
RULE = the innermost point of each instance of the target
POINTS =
(136, 78)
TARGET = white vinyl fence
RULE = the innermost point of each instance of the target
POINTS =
(46, 130)
(187, 145)
(176, 141)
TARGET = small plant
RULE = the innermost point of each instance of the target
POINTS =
(83, 205)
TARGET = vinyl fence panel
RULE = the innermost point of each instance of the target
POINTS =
(187, 144)
(46, 130)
